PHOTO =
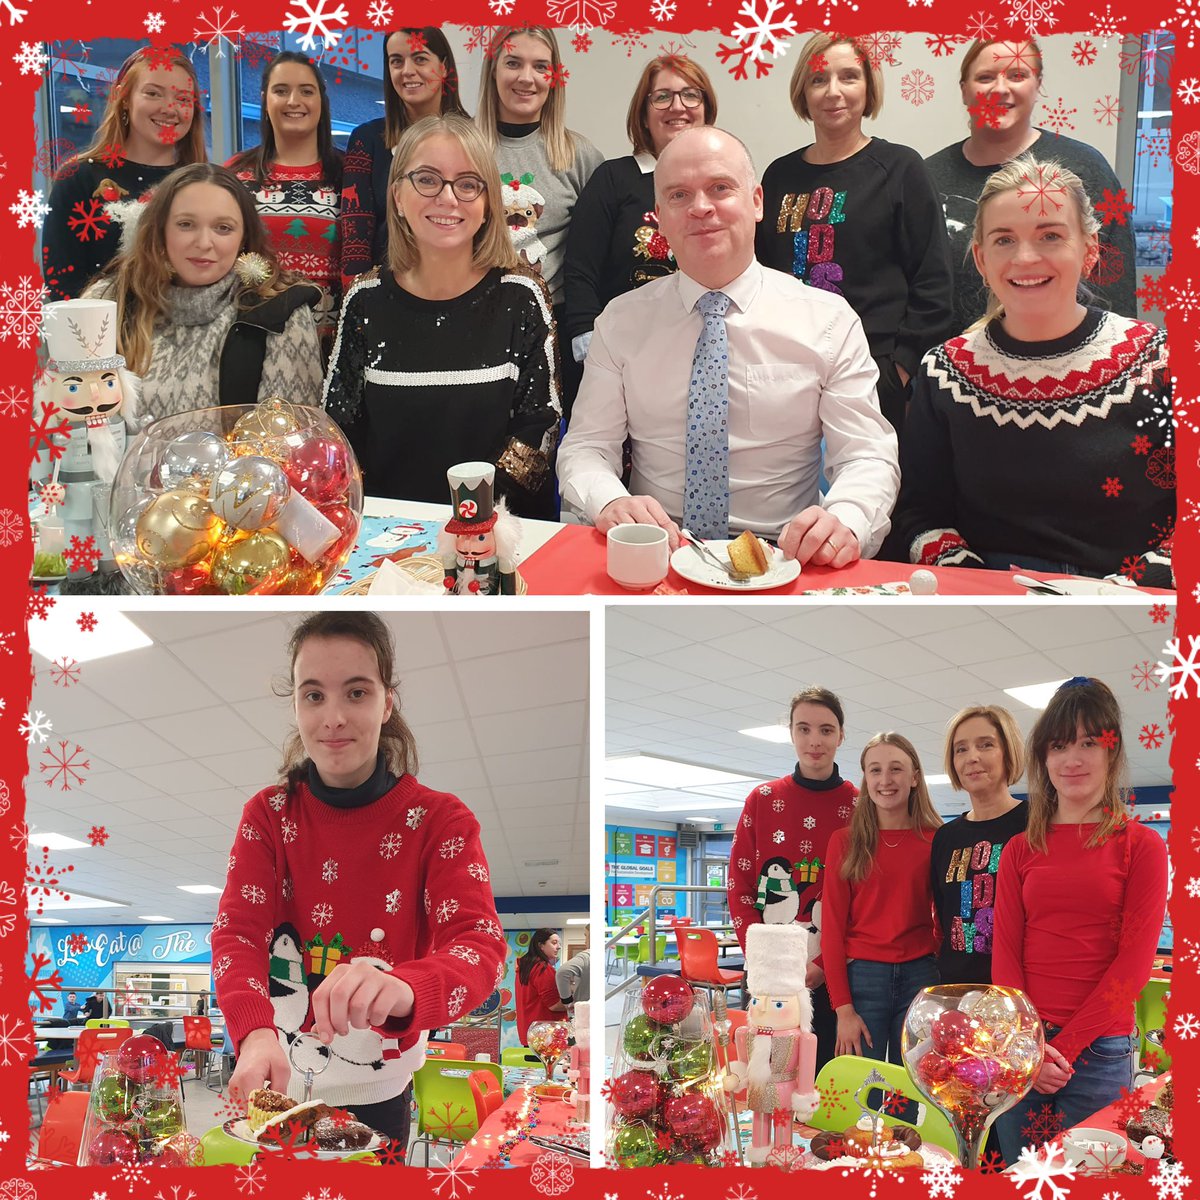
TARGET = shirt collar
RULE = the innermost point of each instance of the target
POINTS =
(742, 290)
(646, 162)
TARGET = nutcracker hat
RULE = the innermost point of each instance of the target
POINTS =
(776, 959)
(81, 335)
(472, 497)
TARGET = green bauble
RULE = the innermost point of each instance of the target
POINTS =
(690, 1060)
(639, 1037)
(161, 1117)
(113, 1098)
(635, 1146)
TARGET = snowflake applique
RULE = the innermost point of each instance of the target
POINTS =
(321, 914)
(15, 1043)
(82, 554)
(87, 622)
(1188, 90)
(154, 22)
(1107, 110)
(253, 894)
(390, 845)
(456, 1001)
(218, 31)
(287, 828)
(762, 33)
(881, 49)
(1033, 15)
(777, 837)
(1144, 677)
(810, 822)
(1187, 1026)
(446, 909)
(1151, 736)
(478, 872)
(662, 10)
(415, 816)
(391, 901)
(1193, 887)
(329, 870)
(452, 847)
(250, 1178)
(452, 1179)
(552, 1174)
(1112, 487)
(1113, 207)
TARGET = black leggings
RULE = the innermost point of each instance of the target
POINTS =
(391, 1118)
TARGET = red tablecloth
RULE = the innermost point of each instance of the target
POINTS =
(552, 1118)
(1110, 1118)
(572, 563)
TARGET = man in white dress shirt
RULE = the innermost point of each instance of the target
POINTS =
(798, 367)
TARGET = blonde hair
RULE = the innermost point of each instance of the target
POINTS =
(1014, 175)
(557, 138)
(492, 243)
(1084, 703)
(114, 124)
(803, 72)
(978, 46)
(1012, 744)
(864, 824)
(138, 280)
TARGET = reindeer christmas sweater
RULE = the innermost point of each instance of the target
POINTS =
(400, 881)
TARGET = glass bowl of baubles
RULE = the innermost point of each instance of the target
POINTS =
(247, 499)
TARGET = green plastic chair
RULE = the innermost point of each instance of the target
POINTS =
(850, 1093)
(220, 1149)
(643, 948)
(519, 1056)
(1152, 1014)
(445, 1105)
(106, 1023)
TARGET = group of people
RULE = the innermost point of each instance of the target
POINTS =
(791, 357)
(1058, 894)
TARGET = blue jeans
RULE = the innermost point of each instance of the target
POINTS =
(881, 993)
(998, 560)
(1101, 1071)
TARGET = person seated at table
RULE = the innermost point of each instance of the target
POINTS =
(1041, 437)
(446, 355)
(984, 756)
(96, 1007)
(878, 937)
(726, 377)
(205, 313)
(792, 819)
(71, 1007)
(1080, 900)
(537, 988)
(348, 835)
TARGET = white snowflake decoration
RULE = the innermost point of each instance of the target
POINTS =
(329, 870)
(15, 17)
(154, 22)
(253, 894)
(446, 909)
(1188, 90)
(321, 914)
(941, 1178)
(762, 34)
(1042, 1169)
(465, 953)
(21, 311)
(379, 13)
(1186, 667)
(552, 1174)
(29, 209)
(478, 872)
(580, 14)
(452, 1179)
(662, 10)
(1169, 1181)
(15, 1043)
(389, 847)
(35, 727)
(1187, 1026)
(1033, 16)
(452, 847)
(31, 58)
(250, 1178)
(456, 1000)
(415, 817)
(317, 21)
(392, 901)
(219, 31)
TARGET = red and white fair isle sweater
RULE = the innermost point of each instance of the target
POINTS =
(401, 881)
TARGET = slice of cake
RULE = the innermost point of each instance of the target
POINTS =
(748, 555)
(264, 1104)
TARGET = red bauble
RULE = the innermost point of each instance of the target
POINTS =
(693, 1121)
(635, 1094)
(319, 470)
(141, 1057)
(933, 1068)
(190, 581)
(112, 1147)
(667, 999)
(951, 1033)
(347, 524)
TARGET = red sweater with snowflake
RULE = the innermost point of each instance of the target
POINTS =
(1077, 927)
(402, 881)
(888, 917)
(791, 818)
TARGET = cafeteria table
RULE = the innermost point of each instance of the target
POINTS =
(498, 1142)
(1114, 1117)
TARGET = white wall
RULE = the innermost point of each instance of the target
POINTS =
(758, 111)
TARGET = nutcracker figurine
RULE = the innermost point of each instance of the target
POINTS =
(478, 546)
(85, 382)
(777, 1050)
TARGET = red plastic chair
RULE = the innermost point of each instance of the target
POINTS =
(197, 1041)
(92, 1043)
(737, 1017)
(445, 1050)
(698, 954)
(487, 1092)
(62, 1127)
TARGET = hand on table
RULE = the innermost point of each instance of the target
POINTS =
(815, 535)
(1055, 1072)
(637, 510)
(261, 1061)
(357, 995)
(851, 1032)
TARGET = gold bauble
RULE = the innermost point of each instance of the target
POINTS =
(267, 428)
(260, 560)
(176, 529)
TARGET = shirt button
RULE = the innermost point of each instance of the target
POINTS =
(377, 934)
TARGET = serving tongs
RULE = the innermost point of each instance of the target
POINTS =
(703, 550)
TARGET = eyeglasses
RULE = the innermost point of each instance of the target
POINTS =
(691, 97)
(430, 183)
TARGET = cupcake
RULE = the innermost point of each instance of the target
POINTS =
(265, 1104)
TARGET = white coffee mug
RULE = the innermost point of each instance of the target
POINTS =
(638, 556)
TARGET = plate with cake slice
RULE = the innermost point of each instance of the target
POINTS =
(763, 564)
(312, 1127)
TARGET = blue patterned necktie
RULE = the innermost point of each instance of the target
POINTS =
(706, 464)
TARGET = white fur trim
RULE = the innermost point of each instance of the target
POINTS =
(776, 959)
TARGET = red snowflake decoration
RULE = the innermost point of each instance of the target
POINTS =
(168, 135)
(1187, 152)
(1112, 487)
(557, 76)
(1154, 144)
(77, 943)
(43, 988)
(113, 155)
(98, 835)
(86, 622)
(392, 1153)
(42, 881)
(787, 1157)
(1133, 567)
(43, 433)
(1108, 739)
(159, 58)
(1107, 110)
(1113, 207)
(1044, 189)
(169, 1071)
(1084, 53)
(738, 56)
(986, 110)
(91, 221)
(1159, 614)
(942, 44)
(1109, 265)
(1144, 675)
(1153, 293)
(991, 1163)
(38, 604)
(229, 1109)
(68, 768)
(1043, 1125)
(894, 1103)
(1151, 736)
(1058, 116)
(1127, 1106)
(257, 49)
(1141, 444)
(64, 672)
(416, 42)
(82, 554)
(581, 43)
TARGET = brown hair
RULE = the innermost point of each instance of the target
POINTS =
(864, 824)
(821, 696)
(395, 738)
(637, 125)
(492, 243)
(535, 954)
(138, 280)
(803, 72)
(114, 124)
(1012, 744)
(1087, 704)
(395, 115)
(978, 46)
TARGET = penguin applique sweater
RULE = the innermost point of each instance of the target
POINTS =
(401, 881)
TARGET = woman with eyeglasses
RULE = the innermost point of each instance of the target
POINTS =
(858, 216)
(613, 245)
(446, 354)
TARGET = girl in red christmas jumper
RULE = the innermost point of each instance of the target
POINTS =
(879, 936)
(357, 908)
(777, 864)
(537, 987)
(1080, 899)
